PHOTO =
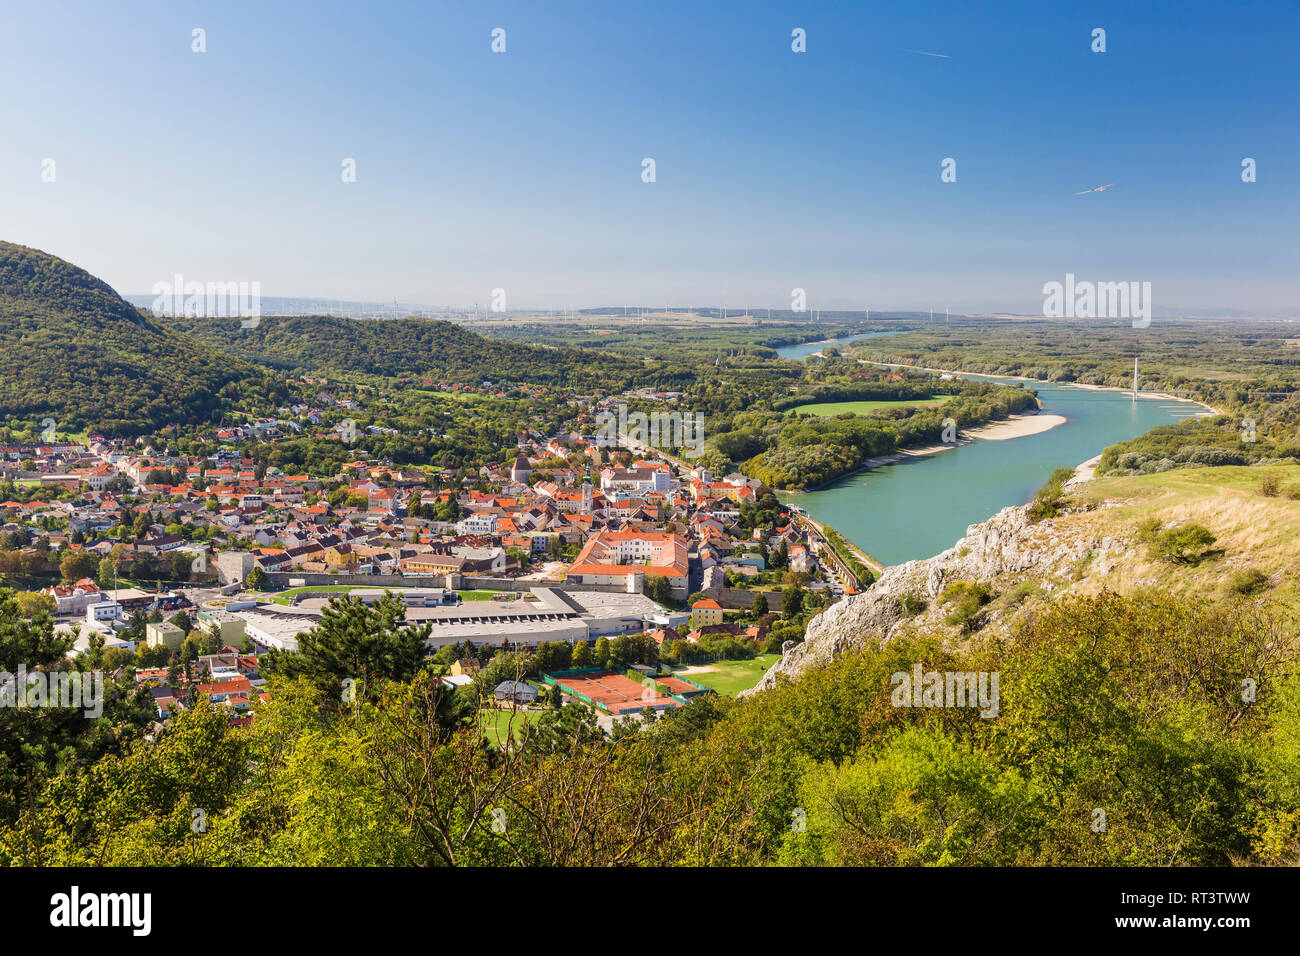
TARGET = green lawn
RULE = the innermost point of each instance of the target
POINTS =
(497, 723)
(286, 597)
(730, 677)
(294, 592)
(829, 409)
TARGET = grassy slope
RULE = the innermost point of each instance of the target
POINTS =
(1253, 529)
(1095, 546)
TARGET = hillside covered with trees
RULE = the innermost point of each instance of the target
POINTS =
(821, 770)
(71, 349)
(418, 348)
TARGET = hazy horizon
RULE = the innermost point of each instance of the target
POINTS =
(774, 169)
(271, 302)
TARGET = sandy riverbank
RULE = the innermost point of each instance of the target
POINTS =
(1161, 396)
(1017, 426)
(892, 458)
(1085, 471)
(1014, 426)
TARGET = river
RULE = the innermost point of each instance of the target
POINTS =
(801, 352)
(921, 506)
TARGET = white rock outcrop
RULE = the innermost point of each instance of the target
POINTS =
(1003, 548)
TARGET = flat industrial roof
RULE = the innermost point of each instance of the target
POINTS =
(280, 626)
(516, 632)
(541, 615)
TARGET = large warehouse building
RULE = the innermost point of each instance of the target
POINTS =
(543, 614)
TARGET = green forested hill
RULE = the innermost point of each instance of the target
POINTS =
(405, 347)
(71, 349)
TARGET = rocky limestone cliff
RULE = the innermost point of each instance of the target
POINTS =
(1001, 552)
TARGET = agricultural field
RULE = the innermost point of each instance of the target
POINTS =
(831, 409)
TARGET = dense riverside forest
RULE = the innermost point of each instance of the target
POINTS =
(1195, 442)
(1244, 367)
(786, 450)
(1220, 360)
(1247, 369)
(1128, 706)
(700, 335)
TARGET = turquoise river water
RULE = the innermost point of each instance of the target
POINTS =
(921, 506)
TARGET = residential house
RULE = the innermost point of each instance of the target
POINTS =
(517, 692)
(704, 612)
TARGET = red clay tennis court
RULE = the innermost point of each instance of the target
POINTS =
(613, 692)
(679, 686)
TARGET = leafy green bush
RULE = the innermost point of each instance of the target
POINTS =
(1149, 529)
(1247, 581)
(912, 604)
(1186, 544)
(1050, 498)
(965, 601)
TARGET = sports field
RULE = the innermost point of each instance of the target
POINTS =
(730, 677)
(678, 686)
(288, 596)
(614, 693)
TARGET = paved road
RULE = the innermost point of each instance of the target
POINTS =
(838, 585)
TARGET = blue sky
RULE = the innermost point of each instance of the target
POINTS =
(775, 169)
